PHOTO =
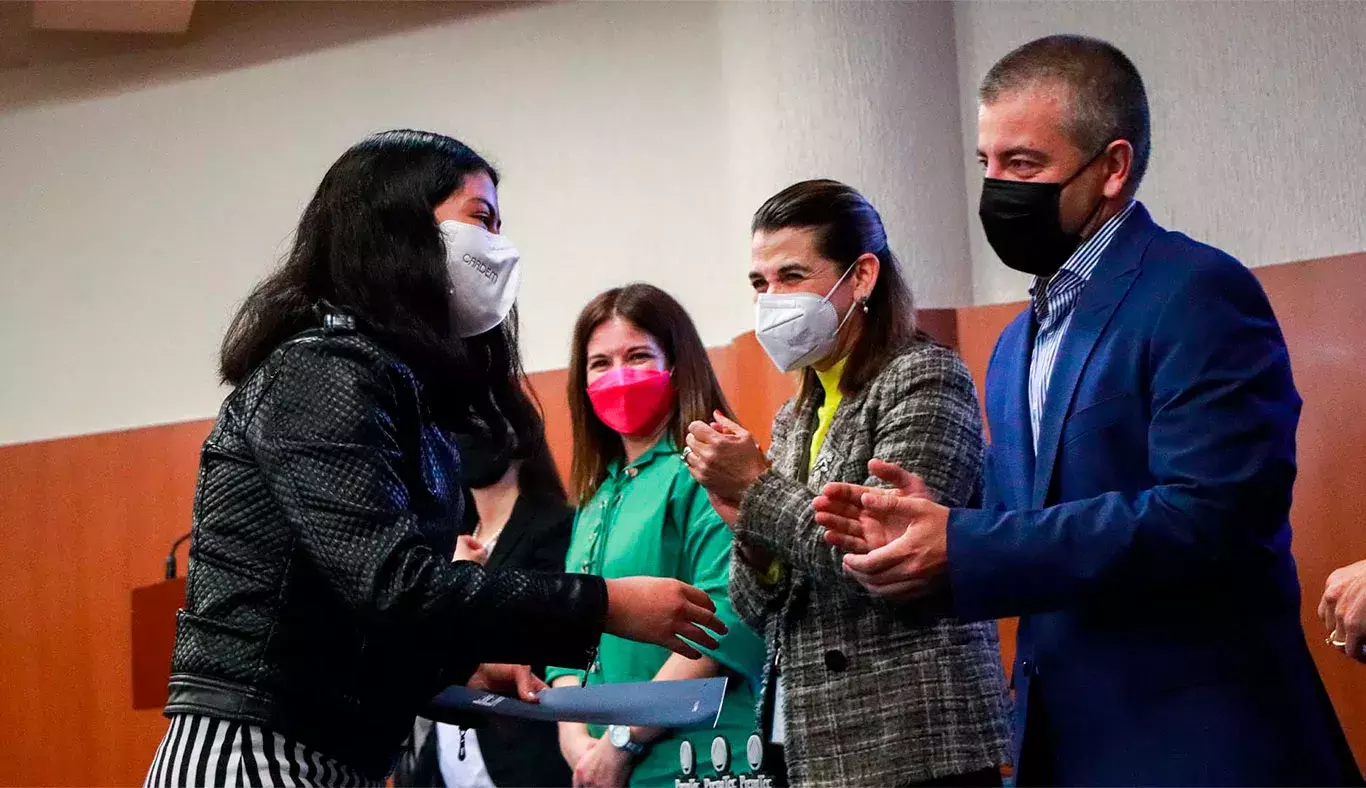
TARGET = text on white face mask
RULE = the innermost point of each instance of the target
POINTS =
(485, 276)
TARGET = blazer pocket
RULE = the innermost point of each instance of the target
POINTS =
(1097, 415)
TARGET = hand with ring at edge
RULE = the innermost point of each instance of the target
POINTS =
(1343, 610)
(723, 457)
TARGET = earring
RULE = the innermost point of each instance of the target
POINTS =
(864, 302)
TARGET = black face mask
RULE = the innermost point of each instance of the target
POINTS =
(483, 460)
(1023, 223)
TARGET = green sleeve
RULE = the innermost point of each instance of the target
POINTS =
(552, 672)
(558, 673)
(705, 563)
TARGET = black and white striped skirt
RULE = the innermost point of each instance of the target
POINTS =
(207, 751)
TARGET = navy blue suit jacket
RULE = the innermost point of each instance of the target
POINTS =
(1147, 546)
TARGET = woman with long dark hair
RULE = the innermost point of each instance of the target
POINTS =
(323, 608)
(638, 375)
(858, 691)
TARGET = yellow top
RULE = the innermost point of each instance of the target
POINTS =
(830, 381)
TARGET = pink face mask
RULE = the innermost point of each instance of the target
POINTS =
(632, 401)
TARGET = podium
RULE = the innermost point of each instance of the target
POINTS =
(153, 628)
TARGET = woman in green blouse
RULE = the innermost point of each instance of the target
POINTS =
(639, 375)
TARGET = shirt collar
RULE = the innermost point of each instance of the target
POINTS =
(1084, 260)
(664, 445)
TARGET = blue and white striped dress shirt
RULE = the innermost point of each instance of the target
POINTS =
(1052, 301)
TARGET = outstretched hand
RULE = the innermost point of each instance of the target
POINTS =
(507, 680)
(662, 611)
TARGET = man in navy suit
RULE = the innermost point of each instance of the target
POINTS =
(1137, 488)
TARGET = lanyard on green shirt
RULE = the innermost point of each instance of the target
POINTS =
(597, 541)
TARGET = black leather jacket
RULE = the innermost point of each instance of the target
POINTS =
(322, 602)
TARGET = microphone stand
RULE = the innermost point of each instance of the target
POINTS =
(170, 557)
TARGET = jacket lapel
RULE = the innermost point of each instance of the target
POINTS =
(1010, 432)
(1114, 275)
(798, 457)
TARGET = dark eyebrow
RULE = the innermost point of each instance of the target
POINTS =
(1021, 150)
(487, 205)
(794, 268)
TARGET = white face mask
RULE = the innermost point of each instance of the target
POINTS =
(798, 329)
(484, 276)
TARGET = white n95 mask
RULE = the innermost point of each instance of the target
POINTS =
(798, 329)
(484, 275)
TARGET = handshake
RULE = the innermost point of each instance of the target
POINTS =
(895, 538)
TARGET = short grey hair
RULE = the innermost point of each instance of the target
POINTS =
(1107, 99)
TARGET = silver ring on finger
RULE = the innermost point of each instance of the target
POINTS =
(687, 452)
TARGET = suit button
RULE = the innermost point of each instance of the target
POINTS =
(836, 661)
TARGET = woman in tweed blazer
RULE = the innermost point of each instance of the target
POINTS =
(859, 691)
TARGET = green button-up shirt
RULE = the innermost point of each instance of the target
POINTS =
(651, 518)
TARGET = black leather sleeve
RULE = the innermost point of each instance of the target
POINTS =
(333, 434)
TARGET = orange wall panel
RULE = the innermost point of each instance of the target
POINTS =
(1320, 305)
(549, 388)
(978, 328)
(83, 521)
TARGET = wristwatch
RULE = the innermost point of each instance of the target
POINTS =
(620, 737)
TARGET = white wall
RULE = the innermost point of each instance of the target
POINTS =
(136, 220)
(146, 192)
(865, 93)
(1258, 110)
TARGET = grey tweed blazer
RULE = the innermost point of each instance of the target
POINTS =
(877, 694)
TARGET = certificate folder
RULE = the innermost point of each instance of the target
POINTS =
(685, 705)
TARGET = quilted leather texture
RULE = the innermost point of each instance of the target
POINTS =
(322, 602)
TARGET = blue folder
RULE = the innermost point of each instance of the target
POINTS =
(686, 705)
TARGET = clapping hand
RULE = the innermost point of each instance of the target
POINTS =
(723, 457)
(848, 525)
(896, 540)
